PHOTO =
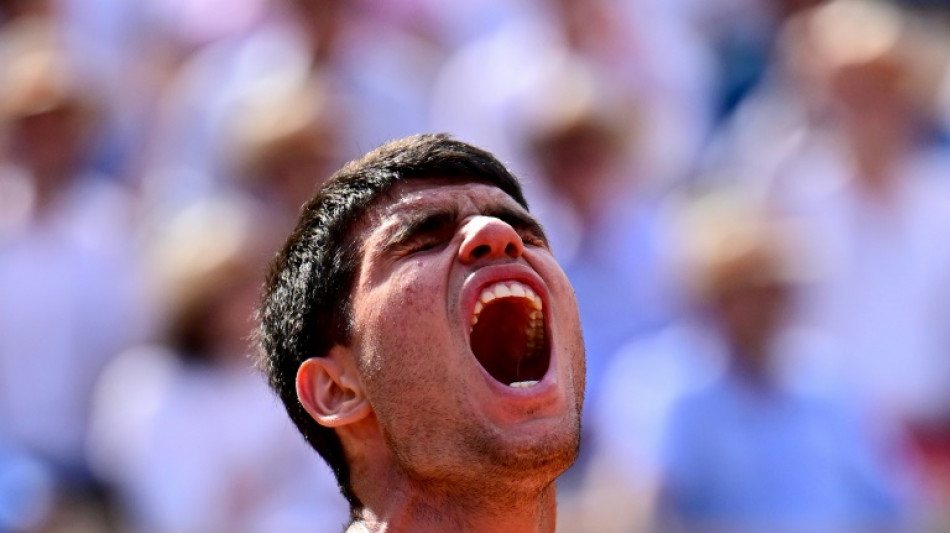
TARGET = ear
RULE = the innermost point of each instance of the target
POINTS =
(329, 389)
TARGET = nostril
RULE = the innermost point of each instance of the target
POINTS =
(511, 249)
(481, 251)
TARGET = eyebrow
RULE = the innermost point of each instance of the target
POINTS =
(421, 223)
(427, 222)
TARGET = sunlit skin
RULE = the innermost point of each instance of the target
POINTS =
(434, 442)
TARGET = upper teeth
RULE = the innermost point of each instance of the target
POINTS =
(508, 289)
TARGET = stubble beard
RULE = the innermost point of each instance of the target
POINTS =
(481, 467)
(455, 454)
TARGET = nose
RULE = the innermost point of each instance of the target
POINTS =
(489, 238)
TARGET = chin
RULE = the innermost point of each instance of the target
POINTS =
(541, 451)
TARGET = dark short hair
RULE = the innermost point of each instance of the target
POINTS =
(305, 306)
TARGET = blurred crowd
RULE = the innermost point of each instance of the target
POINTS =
(751, 198)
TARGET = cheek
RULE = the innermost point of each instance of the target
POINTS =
(407, 356)
(413, 299)
(568, 323)
(563, 293)
(401, 320)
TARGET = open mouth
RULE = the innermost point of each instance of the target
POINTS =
(508, 336)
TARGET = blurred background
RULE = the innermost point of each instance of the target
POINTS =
(751, 198)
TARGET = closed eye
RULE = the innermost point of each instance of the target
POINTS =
(528, 228)
(423, 233)
(420, 245)
(427, 231)
(531, 239)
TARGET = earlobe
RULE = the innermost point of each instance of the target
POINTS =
(330, 391)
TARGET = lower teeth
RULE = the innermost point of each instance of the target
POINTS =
(523, 384)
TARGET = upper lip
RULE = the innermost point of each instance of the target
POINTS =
(485, 276)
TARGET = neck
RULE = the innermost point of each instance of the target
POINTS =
(395, 501)
(417, 511)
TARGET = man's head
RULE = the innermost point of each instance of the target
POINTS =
(46, 103)
(745, 265)
(418, 298)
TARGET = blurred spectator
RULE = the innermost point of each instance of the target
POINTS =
(378, 76)
(658, 51)
(871, 184)
(842, 138)
(70, 297)
(116, 44)
(762, 448)
(386, 70)
(205, 447)
(730, 422)
(106, 39)
(188, 152)
(285, 142)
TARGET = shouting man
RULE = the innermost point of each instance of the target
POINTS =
(426, 343)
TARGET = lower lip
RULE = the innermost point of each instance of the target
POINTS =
(544, 388)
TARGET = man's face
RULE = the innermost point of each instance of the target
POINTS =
(467, 337)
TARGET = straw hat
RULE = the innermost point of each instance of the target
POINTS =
(39, 76)
(728, 242)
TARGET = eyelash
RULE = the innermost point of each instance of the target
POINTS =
(422, 246)
(530, 238)
(427, 243)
